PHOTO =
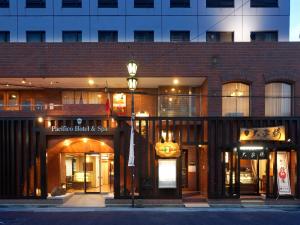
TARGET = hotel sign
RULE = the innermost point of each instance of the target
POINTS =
(78, 128)
(263, 134)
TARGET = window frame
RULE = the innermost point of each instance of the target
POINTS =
(260, 32)
(137, 32)
(177, 32)
(6, 36)
(176, 4)
(292, 98)
(69, 4)
(35, 4)
(249, 96)
(64, 32)
(103, 5)
(139, 4)
(219, 33)
(261, 5)
(218, 4)
(4, 4)
(42, 37)
(111, 32)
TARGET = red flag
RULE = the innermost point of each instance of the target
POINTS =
(107, 105)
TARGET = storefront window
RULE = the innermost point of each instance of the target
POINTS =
(1, 101)
(235, 99)
(13, 100)
(230, 164)
(82, 97)
(278, 100)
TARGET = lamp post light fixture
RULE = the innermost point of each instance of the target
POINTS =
(132, 82)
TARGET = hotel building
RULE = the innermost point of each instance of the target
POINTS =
(216, 113)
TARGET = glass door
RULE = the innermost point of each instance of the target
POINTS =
(92, 173)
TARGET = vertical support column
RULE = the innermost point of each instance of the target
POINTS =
(117, 161)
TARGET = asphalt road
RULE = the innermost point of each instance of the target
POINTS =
(239, 217)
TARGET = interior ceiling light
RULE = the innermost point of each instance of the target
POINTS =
(91, 82)
(23, 81)
(175, 81)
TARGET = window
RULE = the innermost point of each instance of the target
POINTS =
(13, 100)
(71, 4)
(264, 3)
(219, 3)
(4, 36)
(35, 36)
(143, 3)
(108, 36)
(1, 101)
(83, 97)
(278, 99)
(267, 36)
(107, 3)
(179, 3)
(35, 3)
(235, 99)
(4, 3)
(72, 36)
(179, 36)
(219, 36)
(143, 36)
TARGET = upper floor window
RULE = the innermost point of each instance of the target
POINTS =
(143, 3)
(71, 3)
(143, 36)
(268, 36)
(72, 36)
(4, 36)
(219, 36)
(264, 3)
(108, 36)
(235, 99)
(179, 3)
(82, 97)
(35, 36)
(4, 3)
(107, 3)
(219, 3)
(179, 36)
(278, 99)
(35, 3)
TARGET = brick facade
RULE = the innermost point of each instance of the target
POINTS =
(253, 63)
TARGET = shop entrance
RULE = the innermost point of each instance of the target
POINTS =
(81, 165)
(253, 179)
(89, 172)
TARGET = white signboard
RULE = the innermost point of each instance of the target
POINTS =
(167, 173)
(283, 178)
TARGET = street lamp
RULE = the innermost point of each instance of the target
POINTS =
(132, 82)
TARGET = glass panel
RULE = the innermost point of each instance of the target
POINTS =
(13, 101)
(73, 171)
(262, 176)
(92, 173)
(248, 176)
(230, 160)
(278, 100)
(1, 101)
(235, 100)
(143, 36)
(107, 172)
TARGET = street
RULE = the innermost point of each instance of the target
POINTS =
(156, 216)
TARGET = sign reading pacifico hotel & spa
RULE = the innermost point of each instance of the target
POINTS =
(78, 128)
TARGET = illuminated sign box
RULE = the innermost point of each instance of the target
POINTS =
(263, 134)
(167, 173)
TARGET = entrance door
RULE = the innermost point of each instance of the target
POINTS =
(99, 174)
(253, 176)
(92, 171)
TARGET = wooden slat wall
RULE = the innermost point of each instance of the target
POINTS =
(19, 154)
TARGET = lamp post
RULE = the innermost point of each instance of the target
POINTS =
(132, 82)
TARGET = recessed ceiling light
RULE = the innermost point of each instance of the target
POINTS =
(175, 81)
(173, 89)
(91, 82)
(99, 96)
(7, 85)
(23, 81)
(51, 83)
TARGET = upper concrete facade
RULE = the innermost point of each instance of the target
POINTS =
(242, 19)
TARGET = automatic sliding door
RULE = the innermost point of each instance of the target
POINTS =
(92, 173)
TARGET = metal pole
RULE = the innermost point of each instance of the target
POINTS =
(132, 168)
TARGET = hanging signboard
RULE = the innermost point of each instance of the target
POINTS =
(167, 150)
(263, 134)
(283, 178)
(119, 103)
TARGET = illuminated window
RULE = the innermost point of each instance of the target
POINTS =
(235, 99)
(219, 36)
(278, 99)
